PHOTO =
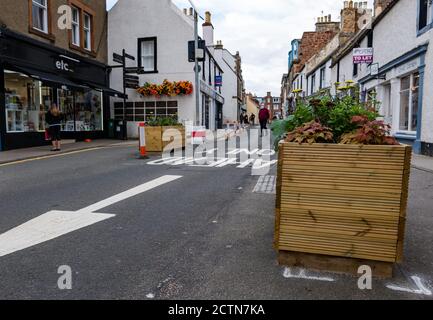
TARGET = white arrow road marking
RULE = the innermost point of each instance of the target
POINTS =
(418, 282)
(54, 224)
(46, 227)
(130, 193)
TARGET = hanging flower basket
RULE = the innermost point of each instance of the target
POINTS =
(167, 88)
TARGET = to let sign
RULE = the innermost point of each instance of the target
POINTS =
(363, 55)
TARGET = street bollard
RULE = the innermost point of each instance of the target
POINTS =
(198, 135)
(142, 140)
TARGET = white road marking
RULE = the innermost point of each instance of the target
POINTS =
(418, 282)
(266, 184)
(46, 227)
(302, 275)
(130, 193)
(54, 224)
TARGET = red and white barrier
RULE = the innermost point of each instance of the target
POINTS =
(198, 135)
(142, 140)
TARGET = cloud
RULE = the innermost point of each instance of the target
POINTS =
(261, 31)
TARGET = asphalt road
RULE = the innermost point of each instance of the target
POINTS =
(203, 236)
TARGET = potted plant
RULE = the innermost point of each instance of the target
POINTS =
(160, 126)
(342, 189)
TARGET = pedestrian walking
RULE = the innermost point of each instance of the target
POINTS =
(246, 119)
(241, 122)
(253, 119)
(54, 118)
(264, 116)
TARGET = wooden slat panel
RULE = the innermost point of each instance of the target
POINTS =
(342, 200)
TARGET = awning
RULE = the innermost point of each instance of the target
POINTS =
(109, 91)
(50, 77)
(44, 76)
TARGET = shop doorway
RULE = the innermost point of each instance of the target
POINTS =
(219, 116)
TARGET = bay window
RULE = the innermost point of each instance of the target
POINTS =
(409, 97)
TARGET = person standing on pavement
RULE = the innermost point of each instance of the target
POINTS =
(54, 120)
(264, 116)
(253, 119)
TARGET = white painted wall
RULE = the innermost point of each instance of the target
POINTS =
(229, 90)
(133, 19)
(395, 35)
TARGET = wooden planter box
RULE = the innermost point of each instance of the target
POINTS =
(342, 206)
(154, 137)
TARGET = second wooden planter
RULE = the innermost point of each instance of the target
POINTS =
(341, 206)
(154, 137)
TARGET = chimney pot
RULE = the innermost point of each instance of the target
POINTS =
(208, 18)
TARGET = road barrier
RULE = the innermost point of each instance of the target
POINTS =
(198, 135)
(142, 140)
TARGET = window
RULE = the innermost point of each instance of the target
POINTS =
(322, 78)
(313, 83)
(27, 101)
(76, 27)
(370, 39)
(87, 32)
(424, 14)
(409, 95)
(355, 70)
(81, 35)
(40, 15)
(147, 53)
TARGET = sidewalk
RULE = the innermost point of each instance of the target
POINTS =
(37, 152)
(422, 162)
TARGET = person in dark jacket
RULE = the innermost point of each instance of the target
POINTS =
(253, 119)
(264, 116)
(54, 121)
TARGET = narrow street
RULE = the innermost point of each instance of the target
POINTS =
(203, 235)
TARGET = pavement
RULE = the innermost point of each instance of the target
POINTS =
(207, 234)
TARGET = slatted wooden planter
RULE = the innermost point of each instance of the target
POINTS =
(342, 206)
(154, 135)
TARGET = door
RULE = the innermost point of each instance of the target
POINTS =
(219, 116)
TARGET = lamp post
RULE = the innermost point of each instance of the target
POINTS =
(196, 67)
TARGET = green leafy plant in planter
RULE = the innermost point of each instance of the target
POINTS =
(163, 122)
(311, 132)
(369, 132)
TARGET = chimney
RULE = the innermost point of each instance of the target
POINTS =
(380, 5)
(191, 11)
(325, 24)
(219, 45)
(185, 11)
(208, 30)
(354, 17)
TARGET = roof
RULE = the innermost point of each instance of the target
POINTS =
(362, 34)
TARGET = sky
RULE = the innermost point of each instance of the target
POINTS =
(261, 30)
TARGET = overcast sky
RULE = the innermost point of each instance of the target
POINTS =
(261, 31)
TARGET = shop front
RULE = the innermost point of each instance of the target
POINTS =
(33, 76)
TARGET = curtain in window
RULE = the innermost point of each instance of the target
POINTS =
(148, 55)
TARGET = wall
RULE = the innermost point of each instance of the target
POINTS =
(15, 15)
(173, 30)
(229, 89)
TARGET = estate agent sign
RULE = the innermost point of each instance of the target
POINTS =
(363, 55)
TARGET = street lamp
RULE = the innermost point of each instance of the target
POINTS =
(196, 67)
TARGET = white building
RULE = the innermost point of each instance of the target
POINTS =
(228, 63)
(401, 36)
(157, 33)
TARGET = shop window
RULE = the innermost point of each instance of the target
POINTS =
(82, 110)
(27, 101)
(409, 95)
(147, 53)
(313, 83)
